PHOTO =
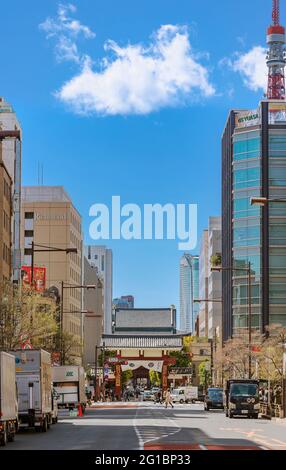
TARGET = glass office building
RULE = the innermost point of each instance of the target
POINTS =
(189, 291)
(254, 164)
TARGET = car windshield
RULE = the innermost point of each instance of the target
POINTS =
(244, 389)
(215, 394)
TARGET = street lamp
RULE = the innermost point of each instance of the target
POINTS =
(35, 248)
(248, 271)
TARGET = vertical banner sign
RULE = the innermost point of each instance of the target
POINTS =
(165, 377)
(118, 381)
(39, 278)
(117, 375)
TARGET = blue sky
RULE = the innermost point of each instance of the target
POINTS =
(153, 142)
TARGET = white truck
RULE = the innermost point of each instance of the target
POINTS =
(8, 399)
(34, 384)
(69, 384)
(184, 394)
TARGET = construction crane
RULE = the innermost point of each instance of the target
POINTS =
(276, 60)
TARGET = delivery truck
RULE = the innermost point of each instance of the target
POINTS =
(242, 398)
(34, 385)
(69, 384)
(184, 394)
(8, 399)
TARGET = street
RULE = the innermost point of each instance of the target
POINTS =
(143, 425)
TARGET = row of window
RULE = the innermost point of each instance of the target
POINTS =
(7, 191)
(6, 222)
(6, 254)
(75, 276)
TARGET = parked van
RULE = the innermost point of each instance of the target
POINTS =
(184, 394)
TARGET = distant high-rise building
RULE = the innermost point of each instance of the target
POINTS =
(10, 197)
(100, 257)
(210, 313)
(189, 291)
(125, 301)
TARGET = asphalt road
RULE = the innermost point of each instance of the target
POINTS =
(147, 426)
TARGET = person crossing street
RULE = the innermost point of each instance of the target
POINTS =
(168, 399)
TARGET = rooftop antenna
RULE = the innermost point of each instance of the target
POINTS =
(276, 56)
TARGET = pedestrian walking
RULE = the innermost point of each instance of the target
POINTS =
(158, 398)
(168, 399)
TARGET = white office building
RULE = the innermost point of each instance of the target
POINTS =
(210, 313)
(11, 154)
(189, 291)
(100, 258)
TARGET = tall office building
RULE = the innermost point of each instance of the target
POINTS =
(210, 313)
(100, 257)
(189, 290)
(50, 219)
(10, 197)
(253, 165)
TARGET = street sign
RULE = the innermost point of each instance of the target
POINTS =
(181, 370)
(113, 359)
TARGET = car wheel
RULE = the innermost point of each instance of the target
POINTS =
(4, 438)
(230, 415)
(181, 401)
(45, 425)
(11, 437)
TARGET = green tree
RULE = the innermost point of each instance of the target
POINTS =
(155, 378)
(182, 358)
(26, 315)
(126, 376)
(205, 373)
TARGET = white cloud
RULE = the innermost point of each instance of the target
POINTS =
(252, 67)
(65, 30)
(139, 80)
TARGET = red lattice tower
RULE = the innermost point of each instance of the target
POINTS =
(276, 55)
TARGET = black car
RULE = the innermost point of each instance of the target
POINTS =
(214, 398)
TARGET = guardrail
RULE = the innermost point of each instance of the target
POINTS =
(271, 411)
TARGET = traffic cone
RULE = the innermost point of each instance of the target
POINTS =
(79, 410)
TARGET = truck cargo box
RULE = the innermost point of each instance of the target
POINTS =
(33, 375)
(8, 396)
(69, 383)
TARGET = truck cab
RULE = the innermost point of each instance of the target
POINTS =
(242, 398)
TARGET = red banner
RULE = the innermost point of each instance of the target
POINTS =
(39, 278)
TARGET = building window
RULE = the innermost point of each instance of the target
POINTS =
(102, 263)
(28, 252)
(29, 233)
(29, 215)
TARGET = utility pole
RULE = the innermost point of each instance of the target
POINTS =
(103, 377)
(95, 374)
(249, 322)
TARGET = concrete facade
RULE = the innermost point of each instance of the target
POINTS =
(6, 212)
(100, 258)
(210, 316)
(11, 158)
(93, 320)
(50, 219)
